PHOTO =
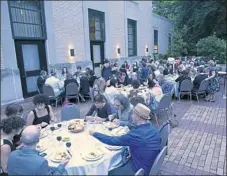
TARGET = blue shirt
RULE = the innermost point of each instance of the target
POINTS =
(144, 142)
(28, 162)
(106, 73)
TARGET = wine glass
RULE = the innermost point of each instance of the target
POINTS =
(59, 139)
(59, 125)
(52, 128)
(68, 145)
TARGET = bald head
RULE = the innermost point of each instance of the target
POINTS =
(30, 135)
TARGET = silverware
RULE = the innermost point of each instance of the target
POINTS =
(69, 153)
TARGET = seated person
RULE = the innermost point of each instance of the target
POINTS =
(110, 91)
(199, 78)
(84, 86)
(144, 142)
(27, 161)
(14, 110)
(106, 70)
(122, 79)
(99, 86)
(100, 110)
(70, 79)
(78, 72)
(124, 110)
(135, 86)
(154, 94)
(41, 80)
(43, 114)
(10, 127)
(64, 73)
(167, 86)
(55, 83)
(183, 76)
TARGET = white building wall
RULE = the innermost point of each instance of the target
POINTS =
(141, 12)
(164, 27)
(11, 89)
(68, 31)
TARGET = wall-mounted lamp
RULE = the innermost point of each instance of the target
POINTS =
(147, 50)
(72, 53)
(118, 51)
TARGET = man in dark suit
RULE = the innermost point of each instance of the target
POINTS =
(41, 80)
(199, 78)
(183, 76)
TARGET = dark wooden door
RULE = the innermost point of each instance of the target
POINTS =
(31, 59)
(97, 55)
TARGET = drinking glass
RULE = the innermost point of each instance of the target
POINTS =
(59, 139)
(52, 128)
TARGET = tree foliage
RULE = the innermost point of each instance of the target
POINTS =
(213, 48)
(178, 45)
(201, 18)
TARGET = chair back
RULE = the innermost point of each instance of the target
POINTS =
(84, 85)
(137, 99)
(158, 162)
(165, 102)
(69, 112)
(186, 86)
(71, 89)
(203, 86)
(139, 172)
(164, 133)
(49, 91)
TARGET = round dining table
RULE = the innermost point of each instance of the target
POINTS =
(81, 144)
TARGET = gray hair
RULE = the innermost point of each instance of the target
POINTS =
(30, 136)
(123, 100)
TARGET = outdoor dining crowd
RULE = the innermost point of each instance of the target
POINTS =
(126, 95)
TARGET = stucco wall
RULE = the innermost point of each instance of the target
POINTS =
(164, 27)
(11, 90)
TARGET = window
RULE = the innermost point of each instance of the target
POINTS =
(155, 41)
(132, 38)
(96, 25)
(27, 19)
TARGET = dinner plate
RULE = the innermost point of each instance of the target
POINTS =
(92, 156)
(113, 147)
(110, 125)
(40, 148)
(57, 156)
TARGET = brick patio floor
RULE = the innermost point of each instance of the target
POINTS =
(197, 146)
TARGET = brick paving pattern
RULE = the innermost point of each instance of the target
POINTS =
(198, 145)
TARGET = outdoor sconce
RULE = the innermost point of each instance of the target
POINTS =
(72, 53)
(147, 50)
(118, 51)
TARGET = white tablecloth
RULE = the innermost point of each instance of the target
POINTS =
(82, 142)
